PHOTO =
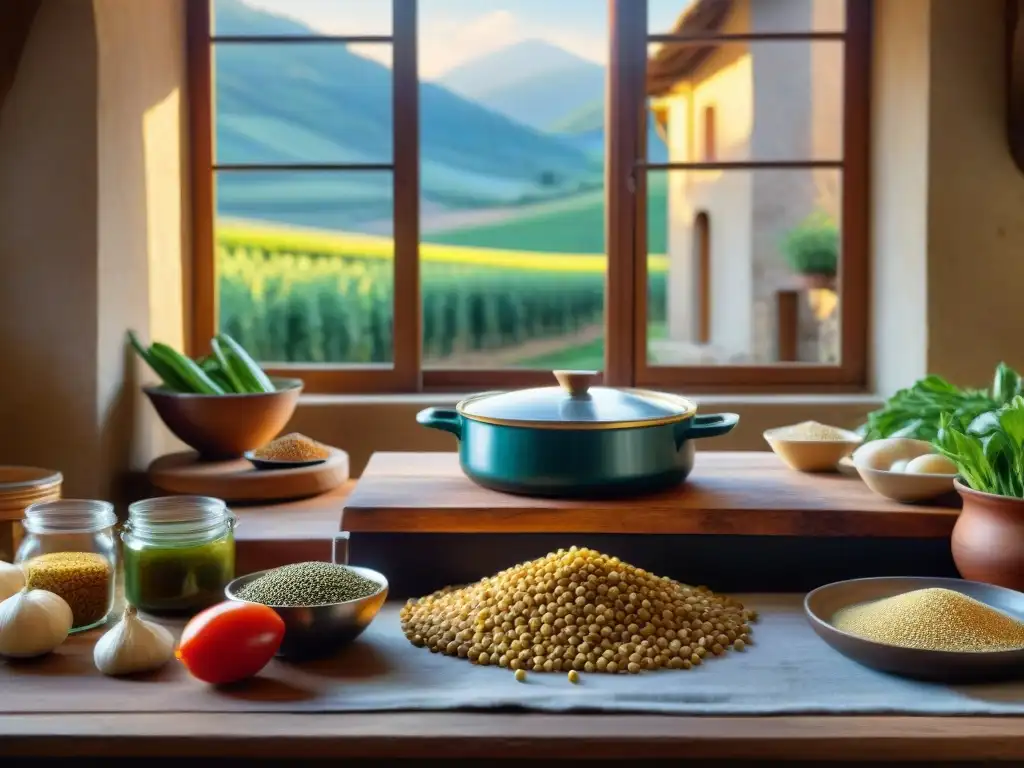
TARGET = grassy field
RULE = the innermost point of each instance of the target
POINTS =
(573, 225)
(325, 297)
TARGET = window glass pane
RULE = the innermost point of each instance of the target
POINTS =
(305, 265)
(512, 174)
(301, 17)
(744, 16)
(279, 103)
(742, 267)
(771, 100)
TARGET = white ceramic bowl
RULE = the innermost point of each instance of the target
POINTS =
(903, 487)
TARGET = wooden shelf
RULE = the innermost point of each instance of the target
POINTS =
(729, 493)
(274, 534)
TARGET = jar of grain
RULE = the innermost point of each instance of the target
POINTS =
(70, 549)
(179, 553)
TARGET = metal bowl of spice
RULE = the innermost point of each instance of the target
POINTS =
(325, 606)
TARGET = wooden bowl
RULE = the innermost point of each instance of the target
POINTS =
(822, 604)
(226, 426)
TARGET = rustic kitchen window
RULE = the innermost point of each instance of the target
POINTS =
(434, 195)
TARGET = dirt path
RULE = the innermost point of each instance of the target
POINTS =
(435, 219)
(511, 356)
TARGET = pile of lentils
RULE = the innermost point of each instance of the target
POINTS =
(306, 584)
(578, 610)
(932, 619)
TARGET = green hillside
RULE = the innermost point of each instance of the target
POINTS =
(589, 117)
(574, 225)
(321, 103)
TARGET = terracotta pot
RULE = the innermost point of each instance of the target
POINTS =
(816, 281)
(988, 538)
(226, 426)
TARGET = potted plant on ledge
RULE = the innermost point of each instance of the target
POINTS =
(812, 251)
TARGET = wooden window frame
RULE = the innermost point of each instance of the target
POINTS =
(625, 195)
(850, 375)
(403, 375)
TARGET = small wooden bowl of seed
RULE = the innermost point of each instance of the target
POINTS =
(325, 606)
(939, 629)
(810, 446)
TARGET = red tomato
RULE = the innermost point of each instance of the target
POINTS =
(230, 641)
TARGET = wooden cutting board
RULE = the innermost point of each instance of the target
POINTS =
(238, 480)
(750, 493)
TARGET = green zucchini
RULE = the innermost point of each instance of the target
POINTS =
(167, 374)
(236, 382)
(244, 366)
(196, 378)
(221, 380)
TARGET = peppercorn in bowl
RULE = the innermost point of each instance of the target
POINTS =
(325, 606)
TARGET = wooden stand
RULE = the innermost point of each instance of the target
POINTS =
(728, 493)
(239, 481)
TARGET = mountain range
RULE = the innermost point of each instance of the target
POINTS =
(533, 82)
(546, 87)
(486, 135)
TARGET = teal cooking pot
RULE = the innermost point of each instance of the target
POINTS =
(577, 440)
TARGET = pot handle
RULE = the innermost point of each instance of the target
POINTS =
(444, 419)
(707, 425)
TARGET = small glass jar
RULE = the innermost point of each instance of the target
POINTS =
(179, 553)
(70, 549)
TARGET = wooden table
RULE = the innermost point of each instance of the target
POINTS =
(725, 495)
(293, 737)
(29, 730)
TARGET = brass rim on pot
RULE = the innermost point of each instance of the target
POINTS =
(688, 410)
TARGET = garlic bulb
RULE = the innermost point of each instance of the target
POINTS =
(12, 579)
(33, 622)
(133, 645)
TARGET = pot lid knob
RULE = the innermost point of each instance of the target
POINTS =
(576, 383)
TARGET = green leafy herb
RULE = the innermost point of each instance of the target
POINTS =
(916, 411)
(989, 449)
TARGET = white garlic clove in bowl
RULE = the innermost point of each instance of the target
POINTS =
(883, 454)
(931, 464)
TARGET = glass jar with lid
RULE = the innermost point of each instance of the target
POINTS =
(70, 549)
(179, 553)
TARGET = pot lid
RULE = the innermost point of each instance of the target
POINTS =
(575, 404)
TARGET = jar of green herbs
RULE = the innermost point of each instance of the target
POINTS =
(178, 553)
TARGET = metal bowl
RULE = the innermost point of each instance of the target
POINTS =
(822, 604)
(320, 630)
